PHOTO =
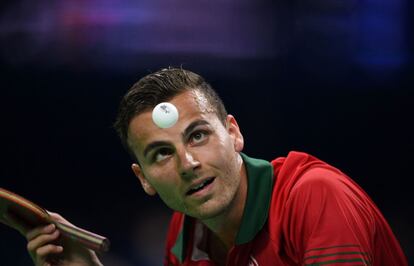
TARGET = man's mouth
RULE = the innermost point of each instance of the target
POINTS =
(200, 186)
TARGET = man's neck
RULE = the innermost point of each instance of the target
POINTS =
(226, 226)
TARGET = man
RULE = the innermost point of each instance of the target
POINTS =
(231, 209)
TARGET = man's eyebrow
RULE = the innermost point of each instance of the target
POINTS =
(154, 145)
(194, 124)
(187, 131)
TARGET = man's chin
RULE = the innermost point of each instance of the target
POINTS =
(207, 211)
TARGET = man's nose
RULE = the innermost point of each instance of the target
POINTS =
(188, 163)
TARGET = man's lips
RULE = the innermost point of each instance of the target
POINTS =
(199, 185)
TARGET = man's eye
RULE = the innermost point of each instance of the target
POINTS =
(162, 154)
(198, 137)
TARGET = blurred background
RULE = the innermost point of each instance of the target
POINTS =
(333, 78)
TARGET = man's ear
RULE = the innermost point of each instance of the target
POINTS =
(148, 188)
(234, 132)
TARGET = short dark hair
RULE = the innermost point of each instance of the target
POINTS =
(162, 86)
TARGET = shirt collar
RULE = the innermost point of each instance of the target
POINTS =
(259, 191)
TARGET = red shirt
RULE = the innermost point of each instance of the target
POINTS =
(299, 211)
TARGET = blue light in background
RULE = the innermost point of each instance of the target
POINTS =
(101, 29)
(327, 38)
(382, 35)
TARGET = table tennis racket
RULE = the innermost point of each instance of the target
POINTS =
(22, 214)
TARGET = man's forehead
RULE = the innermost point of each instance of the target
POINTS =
(187, 103)
(201, 101)
(191, 106)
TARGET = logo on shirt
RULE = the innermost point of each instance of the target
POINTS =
(252, 261)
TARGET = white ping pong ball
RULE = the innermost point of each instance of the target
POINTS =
(165, 115)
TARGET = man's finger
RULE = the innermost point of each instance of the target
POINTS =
(57, 217)
(41, 241)
(40, 230)
(48, 249)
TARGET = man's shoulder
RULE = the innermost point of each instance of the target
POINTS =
(301, 170)
(295, 158)
(298, 163)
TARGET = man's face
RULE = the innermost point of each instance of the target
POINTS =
(194, 166)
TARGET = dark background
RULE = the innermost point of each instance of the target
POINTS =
(333, 78)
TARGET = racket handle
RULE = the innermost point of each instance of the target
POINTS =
(86, 238)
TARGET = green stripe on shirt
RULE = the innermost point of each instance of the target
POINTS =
(339, 261)
(338, 253)
(341, 246)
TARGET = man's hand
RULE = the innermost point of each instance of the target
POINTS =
(47, 247)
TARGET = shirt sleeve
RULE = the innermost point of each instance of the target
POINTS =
(329, 220)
